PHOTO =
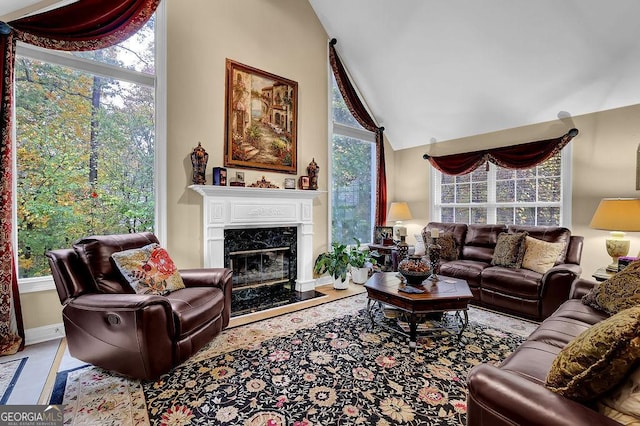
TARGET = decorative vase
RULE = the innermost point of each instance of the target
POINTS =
(340, 284)
(434, 258)
(359, 275)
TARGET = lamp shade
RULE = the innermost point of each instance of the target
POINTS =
(617, 214)
(398, 212)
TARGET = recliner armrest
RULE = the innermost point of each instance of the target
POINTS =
(555, 286)
(580, 287)
(499, 397)
(212, 277)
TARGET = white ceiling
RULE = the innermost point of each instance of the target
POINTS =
(433, 70)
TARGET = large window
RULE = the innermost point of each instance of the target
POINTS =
(536, 196)
(86, 145)
(353, 171)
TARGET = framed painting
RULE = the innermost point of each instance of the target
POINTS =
(261, 112)
(382, 234)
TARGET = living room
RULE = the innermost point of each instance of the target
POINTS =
(287, 39)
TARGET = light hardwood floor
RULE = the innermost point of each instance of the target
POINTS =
(60, 360)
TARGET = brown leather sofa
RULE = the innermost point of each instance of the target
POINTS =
(520, 292)
(513, 393)
(138, 335)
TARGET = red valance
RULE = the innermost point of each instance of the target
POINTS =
(360, 113)
(522, 156)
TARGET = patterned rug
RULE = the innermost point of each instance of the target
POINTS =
(320, 366)
(9, 373)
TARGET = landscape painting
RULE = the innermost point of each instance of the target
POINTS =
(261, 120)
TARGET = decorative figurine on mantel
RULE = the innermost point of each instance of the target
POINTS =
(263, 184)
(312, 172)
(199, 158)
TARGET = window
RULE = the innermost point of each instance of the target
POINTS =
(86, 145)
(536, 196)
(353, 176)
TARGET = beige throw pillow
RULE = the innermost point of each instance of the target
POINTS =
(540, 256)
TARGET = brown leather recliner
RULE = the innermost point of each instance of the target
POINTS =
(138, 335)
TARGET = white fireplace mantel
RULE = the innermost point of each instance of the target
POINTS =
(235, 207)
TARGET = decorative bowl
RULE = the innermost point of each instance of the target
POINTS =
(414, 269)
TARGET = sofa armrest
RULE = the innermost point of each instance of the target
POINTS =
(212, 277)
(580, 287)
(555, 286)
(497, 397)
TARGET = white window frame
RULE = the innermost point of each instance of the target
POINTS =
(159, 81)
(565, 200)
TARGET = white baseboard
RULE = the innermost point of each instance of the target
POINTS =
(43, 334)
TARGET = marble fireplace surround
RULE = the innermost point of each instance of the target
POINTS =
(230, 207)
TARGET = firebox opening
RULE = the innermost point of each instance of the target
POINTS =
(261, 267)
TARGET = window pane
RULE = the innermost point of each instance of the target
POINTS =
(505, 215)
(447, 214)
(479, 192)
(447, 179)
(352, 189)
(505, 191)
(462, 214)
(463, 193)
(549, 189)
(341, 113)
(463, 178)
(505, 173)
(480, 174)
(551, 167)
(448, 194)
(548, 216)
(526, 190)
(525, 216)
(85, 154)
(478, 215)
(526, 173)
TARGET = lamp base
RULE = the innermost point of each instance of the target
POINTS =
(617, 246)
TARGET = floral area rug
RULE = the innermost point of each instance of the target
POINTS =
(320, 366)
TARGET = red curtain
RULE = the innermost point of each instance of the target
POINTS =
(360, 113)
(84, 25)
(521, 156)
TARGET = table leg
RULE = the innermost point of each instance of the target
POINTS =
(413, 332)
(369, 312)
(464, 324)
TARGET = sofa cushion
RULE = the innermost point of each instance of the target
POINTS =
(540, 256)
(481, 241)
(521, 283)
(597, 359)
(619, 292)
(468, 270)
(509, 250)
(149, 270)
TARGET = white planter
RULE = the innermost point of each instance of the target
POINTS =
(359, 275)
(340, 284)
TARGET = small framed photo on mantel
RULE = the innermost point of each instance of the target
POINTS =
(289, 183)
(220, 176)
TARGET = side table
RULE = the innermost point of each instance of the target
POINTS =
(601, 274)
(387, 253)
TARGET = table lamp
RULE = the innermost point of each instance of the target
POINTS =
(618, 215)
(397, 213)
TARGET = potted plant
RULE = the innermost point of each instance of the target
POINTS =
(336, 263)
(361, 262)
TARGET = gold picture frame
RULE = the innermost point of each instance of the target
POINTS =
(261, 113)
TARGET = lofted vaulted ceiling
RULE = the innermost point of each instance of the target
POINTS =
(432, 70)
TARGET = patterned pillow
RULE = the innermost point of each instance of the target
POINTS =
(619, 292)
(598, 359)
(540, 256)
(149, 270)
(449, 250)
(509, 250)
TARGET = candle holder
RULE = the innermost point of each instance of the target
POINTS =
(434, 258)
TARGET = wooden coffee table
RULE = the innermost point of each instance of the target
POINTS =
(446, 295)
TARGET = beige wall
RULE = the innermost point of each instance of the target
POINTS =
(603, 165)
(282, 37)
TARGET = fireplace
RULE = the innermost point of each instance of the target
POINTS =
(229, 209)
(261, 256)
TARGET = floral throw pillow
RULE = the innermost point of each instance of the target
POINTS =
(149, 270)
(509, 251)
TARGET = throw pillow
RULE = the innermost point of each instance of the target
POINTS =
(509, 250)
(619, 292)
(598, 359)
(420, 249)
(540, 256)
(149, 270)
(625, 399)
